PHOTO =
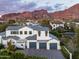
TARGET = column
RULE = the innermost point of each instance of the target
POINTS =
(58, 46)
(37, 45)
(27, 44)
(48, 47)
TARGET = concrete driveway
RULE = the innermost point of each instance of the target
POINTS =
(50, 54)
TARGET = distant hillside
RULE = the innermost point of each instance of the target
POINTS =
(68, 14)
(37, 14)
(71, 13)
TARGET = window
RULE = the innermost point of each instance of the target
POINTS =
(25, 32)
(21, 44)
(21, 32)
(30, 32)
(39, 33)
(14, 32)
(46, 33)
(54, 25)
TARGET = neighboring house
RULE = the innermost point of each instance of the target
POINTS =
(55, 25)
(76, 23)
(30, 36)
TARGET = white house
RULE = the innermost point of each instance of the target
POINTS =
(76, 23)
(55, 25)
(30, 36)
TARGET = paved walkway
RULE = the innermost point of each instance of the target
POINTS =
(50, 54)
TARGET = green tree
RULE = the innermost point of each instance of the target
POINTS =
(69, 26)
(66, 26)
(44, 22)
(3, 27)
(56, 33)
(11, 21)
(18, 55)
(1, 46)
(72, 26)
(5, 52)
(10, 46)
(76, 44)
(77, 38)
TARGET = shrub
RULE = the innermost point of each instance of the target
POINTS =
(3, 27)
(1, 46)
(4, 57)
(17, 56)
(34, 57)
(76, 55)
(56, 33)
(6, 52)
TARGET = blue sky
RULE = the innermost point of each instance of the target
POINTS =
(11, 6)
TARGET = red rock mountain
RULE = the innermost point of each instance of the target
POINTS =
(37, 14)
(71, 13)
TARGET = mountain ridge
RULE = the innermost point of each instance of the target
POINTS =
(68, 14)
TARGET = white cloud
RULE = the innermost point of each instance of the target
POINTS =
(19, 5)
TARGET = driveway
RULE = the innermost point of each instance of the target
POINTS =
(50, 54)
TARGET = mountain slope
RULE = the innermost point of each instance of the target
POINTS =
(68, 14)
(71, 13)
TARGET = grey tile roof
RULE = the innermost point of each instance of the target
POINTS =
(13, 37)
(2, 33)
(53, 37)
(34, 27)
(34, 37)
(14, 27)
(38, 27)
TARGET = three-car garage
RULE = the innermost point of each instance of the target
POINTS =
(33, 45)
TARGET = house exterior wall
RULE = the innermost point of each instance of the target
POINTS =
(47, 44)
(8, 33)
(28, 41)
(54, 26)
(14, 42)
(4, 42)
(21, 45)
(53, 41)
(42, 37)
(22, 36)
